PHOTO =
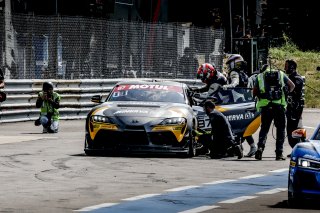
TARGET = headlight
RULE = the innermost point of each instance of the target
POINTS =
(306, 163)
(173, 121)
(100, 119)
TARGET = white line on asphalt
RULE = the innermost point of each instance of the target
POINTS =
(238, 199)
(219, 181)
(200, 209)
(272, 191)
(279, 170)
(181, 188)
(252, 176)
(90, 208)
(140, 197)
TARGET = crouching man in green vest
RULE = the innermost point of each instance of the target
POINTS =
(48, 101)
(270, 88)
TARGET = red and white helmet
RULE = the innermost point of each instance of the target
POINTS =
(206, 72)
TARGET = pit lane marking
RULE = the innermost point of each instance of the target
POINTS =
(219, 181)
(139, 197)
(195, 195)
(272, 191)
(200, 209)
(91, 208)
(279, 170)
(238, 199)
(251, 176)
(181, 188)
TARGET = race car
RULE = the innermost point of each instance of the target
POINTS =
(304, 169)
(238, 105)
(142, 116)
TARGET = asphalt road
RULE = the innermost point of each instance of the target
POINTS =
(50, 173)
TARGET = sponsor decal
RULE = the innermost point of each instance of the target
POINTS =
(148, 87)
(292, 163)
(127, 111)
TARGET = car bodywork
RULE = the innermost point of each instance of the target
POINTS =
(141, 116)
(238, 105)
(304, 169)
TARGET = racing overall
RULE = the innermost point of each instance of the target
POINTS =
(214, 84)
(49, 114)
(272, 104)
(295, 106)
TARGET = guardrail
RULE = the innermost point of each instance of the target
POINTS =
(75, 97)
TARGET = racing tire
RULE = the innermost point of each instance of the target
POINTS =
(192, 150)
(293, 200)
(87, 151)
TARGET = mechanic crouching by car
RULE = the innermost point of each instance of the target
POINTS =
(212, 78)
(295, 101)
(48, 101)
(270, 90)
(222, 143)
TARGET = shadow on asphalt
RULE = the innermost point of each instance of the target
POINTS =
(310, 205)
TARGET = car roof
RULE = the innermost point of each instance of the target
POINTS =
(159, 82)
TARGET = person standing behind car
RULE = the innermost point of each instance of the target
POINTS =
(238, 78)
(2, 94)
(295, 101)
(49, 102)
(221, 134)
(270, 91)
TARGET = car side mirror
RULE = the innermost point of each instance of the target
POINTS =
(299, 134)
(96, 99)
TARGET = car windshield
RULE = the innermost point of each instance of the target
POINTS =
(234, 95)
(148, 93)
(317, 135)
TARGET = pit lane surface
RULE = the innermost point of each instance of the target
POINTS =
(50, 173)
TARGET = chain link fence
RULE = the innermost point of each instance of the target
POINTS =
(59, 47)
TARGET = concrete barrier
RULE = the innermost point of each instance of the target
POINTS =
(75, 96)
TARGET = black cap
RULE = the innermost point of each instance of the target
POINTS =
(209, 104)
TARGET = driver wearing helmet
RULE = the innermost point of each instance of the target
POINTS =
(212, 78)
(237, 74)
(48, 101)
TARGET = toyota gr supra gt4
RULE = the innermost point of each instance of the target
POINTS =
(141, 116)
(304, 170)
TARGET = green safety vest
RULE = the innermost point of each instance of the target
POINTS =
(47, 108)
(262, 102)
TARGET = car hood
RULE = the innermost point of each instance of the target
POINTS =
(310, 150)
(142, 112)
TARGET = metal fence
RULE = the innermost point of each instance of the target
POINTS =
(58, 47)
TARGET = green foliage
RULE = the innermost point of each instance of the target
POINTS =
(307, 65)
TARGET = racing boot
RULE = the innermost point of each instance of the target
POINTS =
(258, 154)
(279, 156)
(252, 151)
(238, 151)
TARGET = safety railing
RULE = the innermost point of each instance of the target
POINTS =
(75, 97)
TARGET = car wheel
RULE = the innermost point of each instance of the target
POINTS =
(87, 150)
(293, 201)
(192, 151)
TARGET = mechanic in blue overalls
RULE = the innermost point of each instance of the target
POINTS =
(49, 102)
(222, 143)
(270, 90)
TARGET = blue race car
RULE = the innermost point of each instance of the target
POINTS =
(304, 170)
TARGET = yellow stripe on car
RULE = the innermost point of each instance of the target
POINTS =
(253, 126)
